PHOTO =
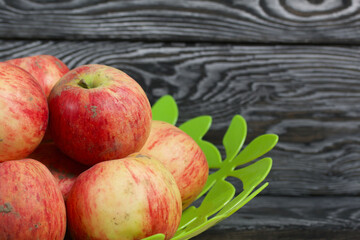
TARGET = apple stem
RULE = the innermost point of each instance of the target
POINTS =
(83, 84)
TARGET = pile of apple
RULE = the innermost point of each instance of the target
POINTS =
(79, 151)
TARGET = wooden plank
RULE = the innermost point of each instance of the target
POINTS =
(267, 217)
(303, 21)
(308, 95)
(293, 234)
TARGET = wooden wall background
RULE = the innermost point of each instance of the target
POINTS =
(289, 67)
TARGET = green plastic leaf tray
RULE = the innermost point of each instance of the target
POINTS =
(218, 200)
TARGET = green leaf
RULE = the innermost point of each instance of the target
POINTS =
(258, 147)
(219, 195)
(155, 237)
(239, 201)
(212, 154)
(212, 179)
(188, 216)
(251, 176)
(234, 137)
(197, 128)
(165, 109)
(198, 229)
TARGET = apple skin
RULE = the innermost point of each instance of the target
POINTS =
(31, 204)
(181, 155)
(23, 113)
(46, 69)
(64, 169)
(98, 113)
(130, 198)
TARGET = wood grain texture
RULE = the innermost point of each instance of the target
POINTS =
(267, 217)
(301, 21)
(308, 95)
(293, 234)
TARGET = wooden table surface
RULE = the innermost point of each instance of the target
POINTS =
(288, 67)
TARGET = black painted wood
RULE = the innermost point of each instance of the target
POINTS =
(285, 234)
(301, 21)
(308, 95)
(267, 217)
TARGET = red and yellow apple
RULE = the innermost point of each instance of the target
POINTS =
(98, 113)
(23, 113)
(64, 169)
(181, 155)
(130, 198)
(31, 204)
(46, 69)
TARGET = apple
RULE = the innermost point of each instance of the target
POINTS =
(23, 113)
(64, 169)
(130, 198)
(31, 204)
(181, 155)
(98, 113)
(46, 69)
